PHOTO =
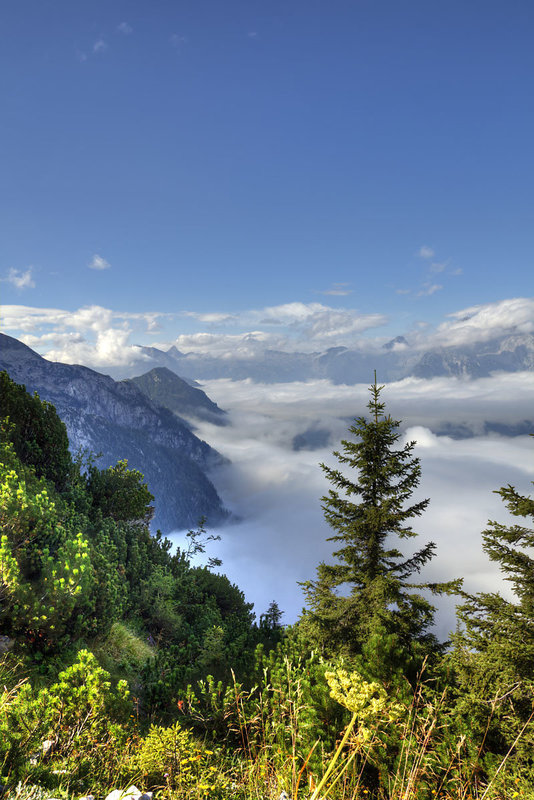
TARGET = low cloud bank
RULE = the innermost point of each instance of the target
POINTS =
(277, 412)
(282, 536)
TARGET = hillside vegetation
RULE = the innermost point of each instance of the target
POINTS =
(121, 662)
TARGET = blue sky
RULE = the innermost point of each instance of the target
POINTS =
(206, 157)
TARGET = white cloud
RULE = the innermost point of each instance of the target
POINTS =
(330, 324)
(484, 322)
(437, 266)
(426, 252)
(27, 318)
(288, 313)
(239, 345)
(211, 318)
(429, 289)
(106, 348)
(20, 279)
(338, 290)
(416, 401)
(92, 335)
(99, 46)
(316, 325)
(125, 28)
(176, 40)
(298, 326)
(99, 263)
(65, 340)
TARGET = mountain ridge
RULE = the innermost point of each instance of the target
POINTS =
(117, 420)
(167, 389)
(395, 360)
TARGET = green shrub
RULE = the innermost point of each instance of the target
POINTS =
(125, 650)
(79, 715)
(170, 756)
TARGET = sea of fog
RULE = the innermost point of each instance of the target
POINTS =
(279, 535)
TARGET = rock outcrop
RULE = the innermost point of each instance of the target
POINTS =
(117, 421)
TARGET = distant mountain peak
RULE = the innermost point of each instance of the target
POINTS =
(392, 344)
(165, 388)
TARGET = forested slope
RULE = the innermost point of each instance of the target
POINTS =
(122, 662)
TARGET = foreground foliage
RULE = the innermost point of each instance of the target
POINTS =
(125, 664)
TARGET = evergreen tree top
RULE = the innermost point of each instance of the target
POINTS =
(369, 587)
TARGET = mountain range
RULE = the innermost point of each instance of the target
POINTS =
(342, 365)
(117, 420)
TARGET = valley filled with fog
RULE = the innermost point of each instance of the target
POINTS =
(273, 484)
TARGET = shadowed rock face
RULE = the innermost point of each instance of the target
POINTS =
(116, 420)
(166, 389)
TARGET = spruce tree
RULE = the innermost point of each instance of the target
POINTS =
(494, 646)
(366, 601)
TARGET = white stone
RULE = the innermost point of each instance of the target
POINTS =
(131, 793)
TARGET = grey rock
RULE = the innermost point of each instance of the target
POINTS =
(47, 747)
(131, 793)
(117, 420)
(122, 794)
(6, 644)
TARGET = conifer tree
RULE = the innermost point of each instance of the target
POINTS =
(366, 600)
(494, 646)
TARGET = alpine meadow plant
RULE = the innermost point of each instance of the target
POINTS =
(169, 758)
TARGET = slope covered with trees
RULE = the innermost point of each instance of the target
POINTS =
(122, 662)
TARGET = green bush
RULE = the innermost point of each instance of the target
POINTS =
(170, 756)
(37, 433)
(80, 714)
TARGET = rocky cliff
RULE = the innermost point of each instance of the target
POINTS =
(116, 420)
